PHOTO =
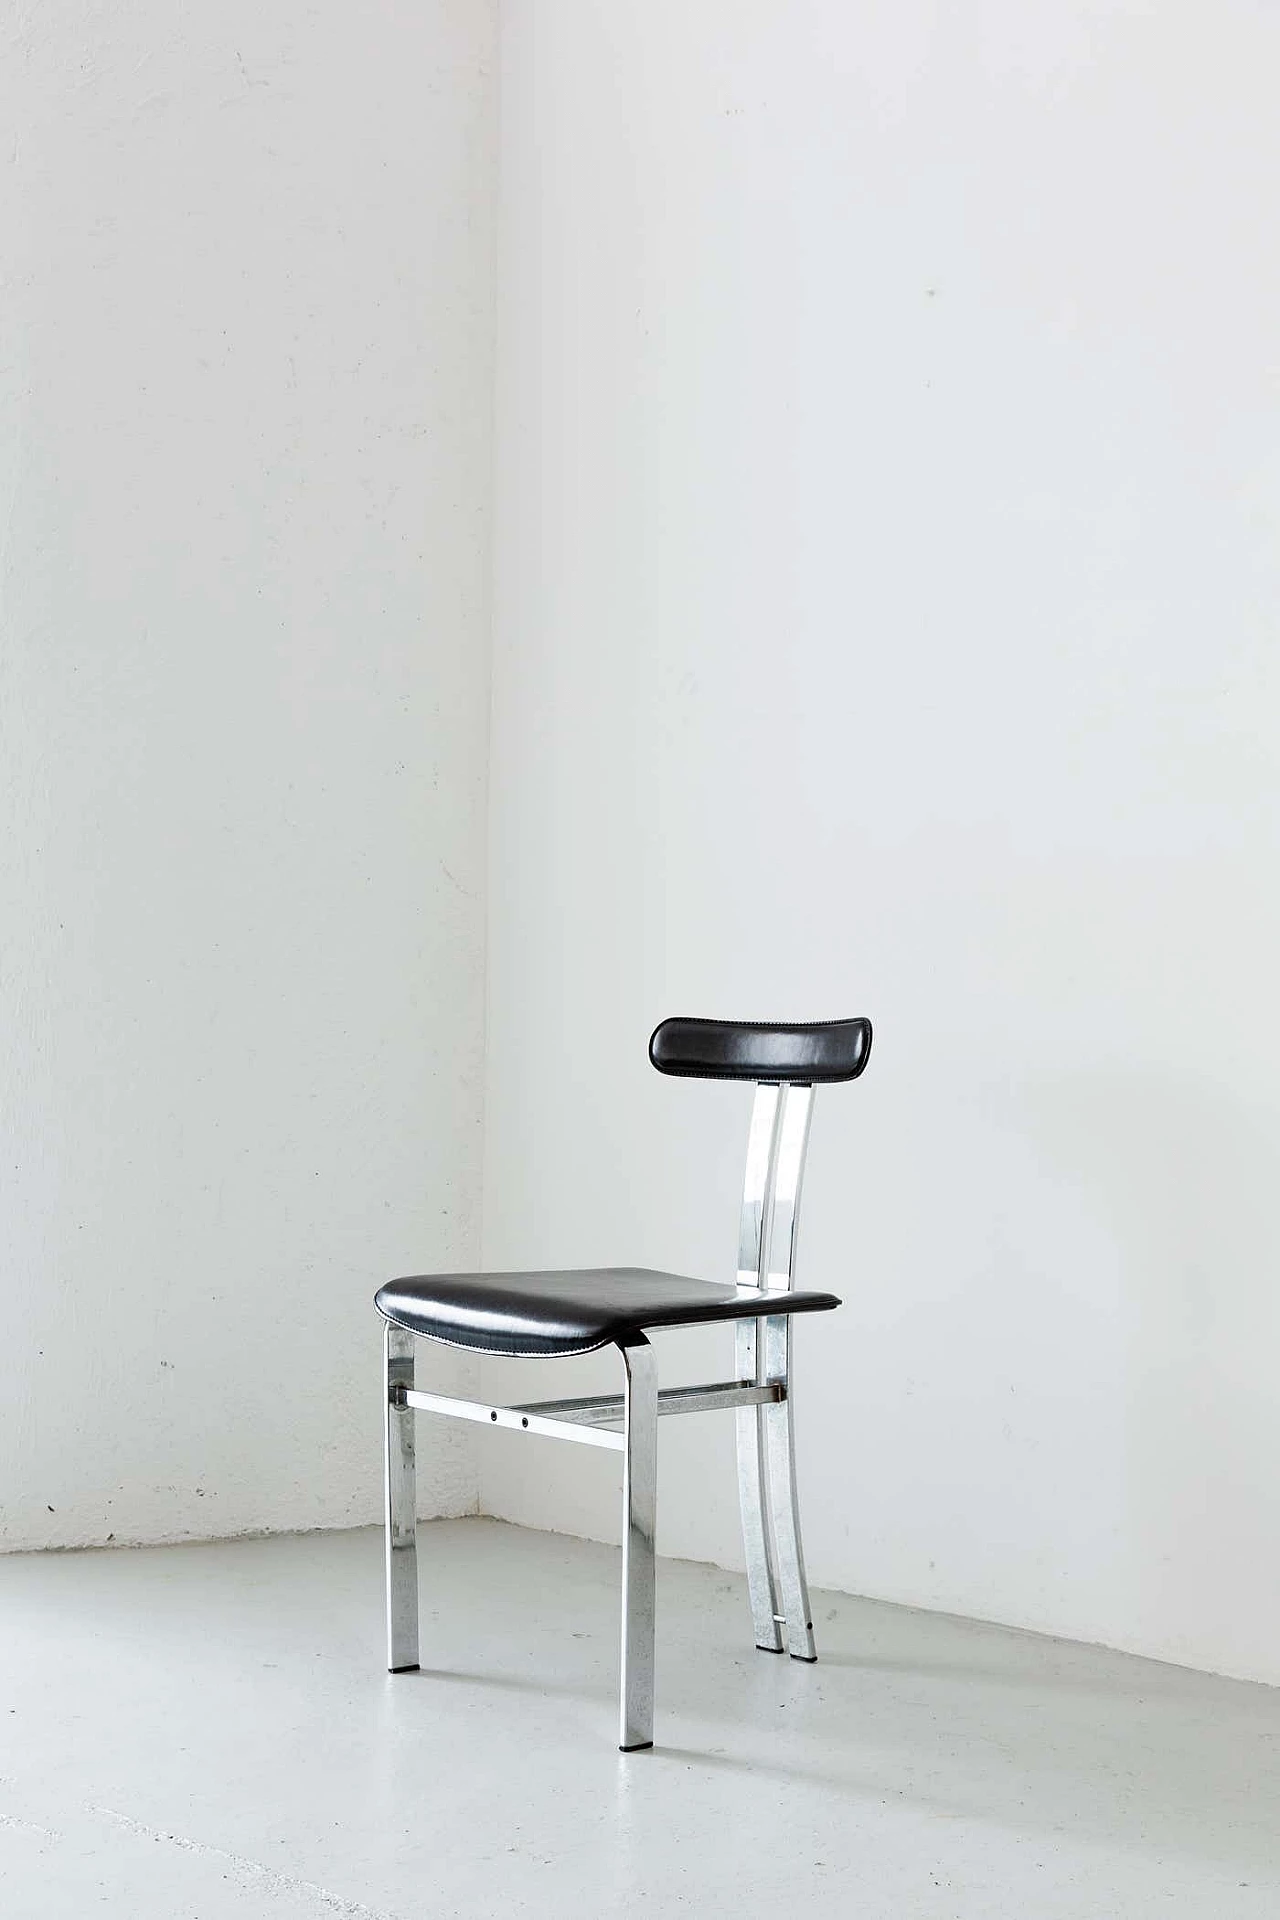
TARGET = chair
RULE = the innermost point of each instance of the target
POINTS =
(574, 1312)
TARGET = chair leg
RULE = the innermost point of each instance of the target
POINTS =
(401, 1506)
(783, 1504)
(761, 1585)
(639, 1517)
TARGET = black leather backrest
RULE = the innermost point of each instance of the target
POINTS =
(802, 1055)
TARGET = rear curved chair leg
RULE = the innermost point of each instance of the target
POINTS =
(401, 1506)
(751, 1490)
(639, 1519)
(784, 1505)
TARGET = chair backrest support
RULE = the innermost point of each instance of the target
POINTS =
(786, 1061)
(777, 1145)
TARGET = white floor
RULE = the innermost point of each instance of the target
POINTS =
(188, 1733)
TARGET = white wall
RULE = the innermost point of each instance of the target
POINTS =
(245, 353)
(886, 593)
(887, 510)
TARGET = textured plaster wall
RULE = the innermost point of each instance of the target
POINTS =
(245, 380)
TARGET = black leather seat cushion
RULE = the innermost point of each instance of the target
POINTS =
(570, 1312)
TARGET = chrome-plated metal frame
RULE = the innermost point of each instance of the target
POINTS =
(522, 1419)
(601, 1409)
(558, 1419)
(777, 1268)
(753, 1253)
(401, 1483)
(777, 1148)
(627, 1423)
(752, 1481)
(784, 1505)
(639, 1525)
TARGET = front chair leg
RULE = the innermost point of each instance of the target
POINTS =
(401, 1506)
(639, 1519)
(784, 1506)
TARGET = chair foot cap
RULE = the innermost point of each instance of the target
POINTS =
(411, 1668)
(641, 1746)
(806, 1659)
(760, 1649)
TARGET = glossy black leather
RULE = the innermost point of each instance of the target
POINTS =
(570, 1312)
(802, 1055)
